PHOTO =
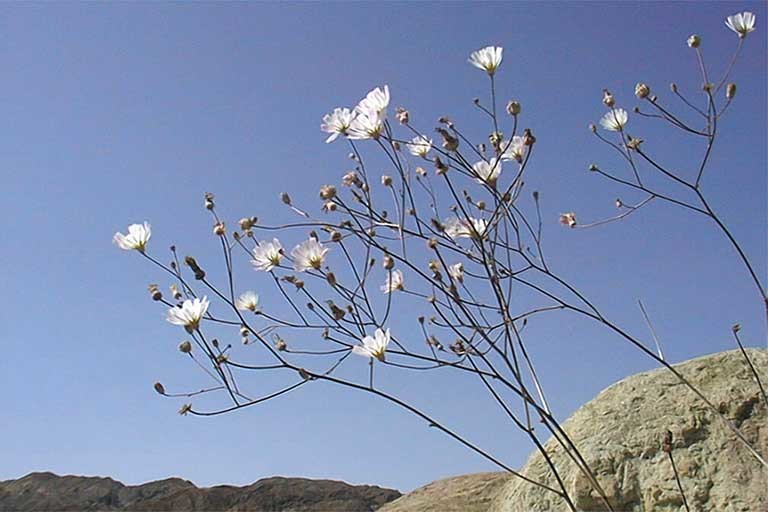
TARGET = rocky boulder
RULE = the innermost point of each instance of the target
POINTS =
(620, 434)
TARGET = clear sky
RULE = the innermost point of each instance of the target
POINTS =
(127, 112)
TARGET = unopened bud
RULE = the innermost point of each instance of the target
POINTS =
(592, 128)
(386, 180)
(335, 236)
(402, 115)
(244, 332)
(694, 41)
(247, 223)
(730, 91)
(209, 205)
(440, 166)
(155, 292)
(388, 262)
(642, 90)
(191, 263)
(481, 205)
(432, 243)
(331, 278)
(327, 192)
(185, 347)
(608, 99)
(219, 229)
(159, 388)
(513, 108)
(285, 198)
(673, 87)
(280, 344)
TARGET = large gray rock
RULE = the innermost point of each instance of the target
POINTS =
(619, 433)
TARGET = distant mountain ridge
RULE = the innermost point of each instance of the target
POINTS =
(47, 491)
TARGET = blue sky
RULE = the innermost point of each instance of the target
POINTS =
(121, 113)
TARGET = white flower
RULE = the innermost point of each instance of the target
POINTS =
(308, 255)
(189, 314)
(487, 172)
(742, 23)
(487, 58)
(374, 346)
(375, 101)
(337, 123)
(394, 282)
(614, 120)
(420, 146)
(248, 301)
(267, 255)
(456, 271)
(366, 125)
(514, 150)
(136, 239)
(460, 228)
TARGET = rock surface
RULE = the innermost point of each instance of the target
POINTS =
(619, 433)
(48, 492)
(467, 493)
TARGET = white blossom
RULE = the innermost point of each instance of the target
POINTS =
(308, 255)
(394, 282)
(742, 23)
(267, 255)
(374, 346)
(189, 313)
(460, 228)
(420, 146)
(248, 301)
(514, 150)
(487, 59)
(337, 123)
(487, 172)
(136, 239)
(376, 100)
(368, 124)
(614, 120)
(456, 271)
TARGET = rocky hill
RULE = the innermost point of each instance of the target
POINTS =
(48, 492)
(620, 435)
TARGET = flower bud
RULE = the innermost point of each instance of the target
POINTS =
(432, 243)
(331, 278)
(335, 236)
(175, 292)
(608, 99)
(694, 41)
(191, 263)
(280, 344)
(185, 347)
(209, 205)
(513, 108)
(568, 219)
(329, 206)
(528, 138)
(619, 204)
(673, 87)
(285, 198)
(642, 90)
(386, 180)
(327, 192)
(592, 128)
(440, 166)
(730, 91)
(420, 171)
(481, 205)
(159, 388)
(155, 292)
(388, 262)
(244, 332)
(402, 115)
(219, 229)
(247, 223)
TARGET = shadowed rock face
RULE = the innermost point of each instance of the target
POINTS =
(49, 492)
